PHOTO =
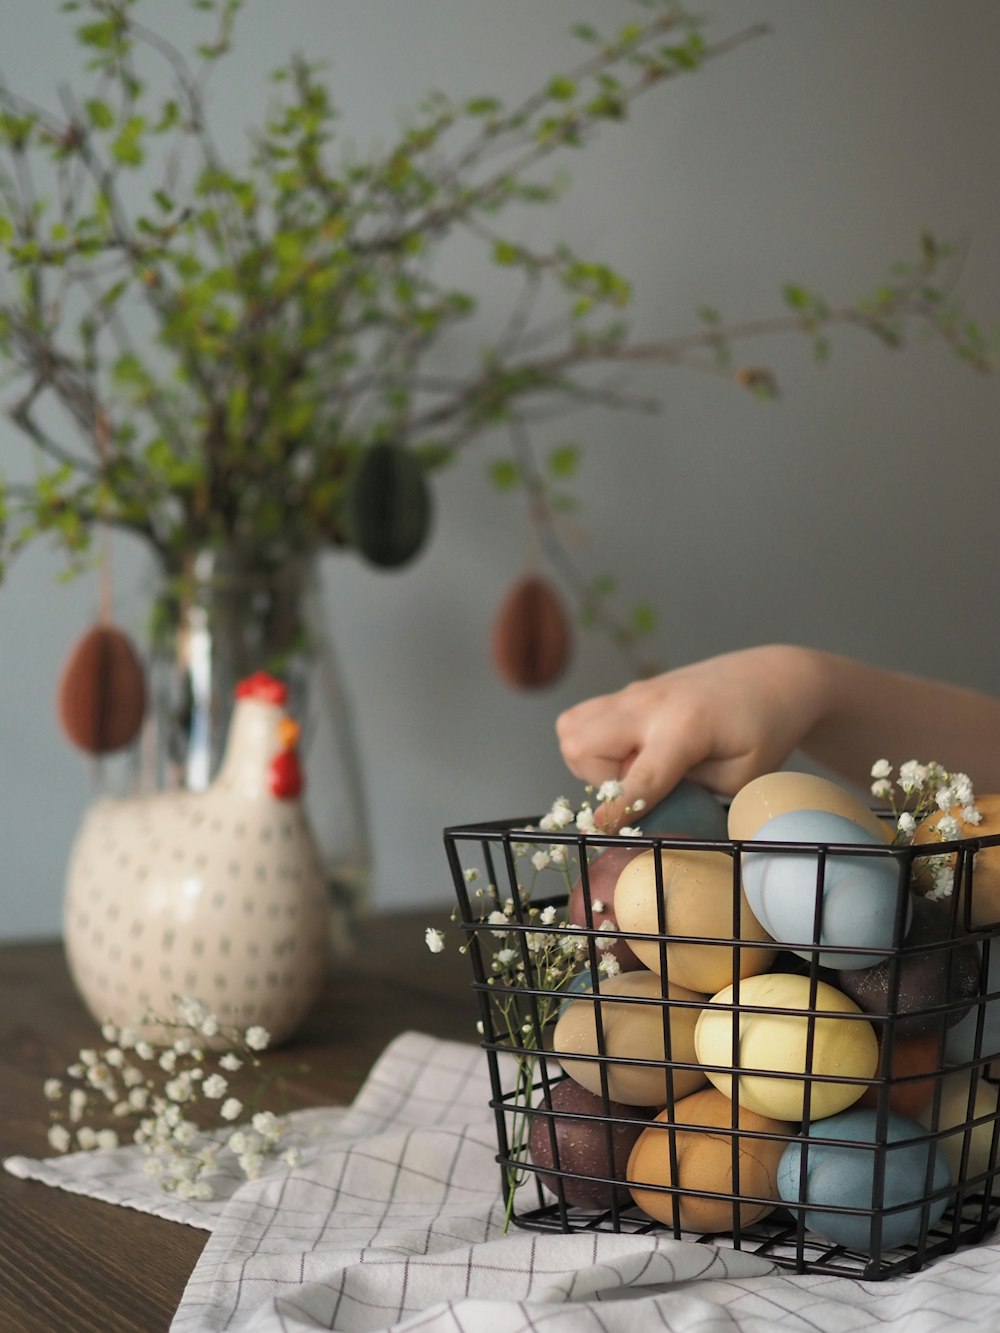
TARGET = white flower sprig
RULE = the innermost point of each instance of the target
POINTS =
(918, 792)
(148, 1094)
(535, 950)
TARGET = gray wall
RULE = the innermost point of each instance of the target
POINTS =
(857, 513)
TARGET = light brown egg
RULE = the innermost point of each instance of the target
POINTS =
(952, 1113)
(698, 901)
(985, 906)
(777, 793)
(705, 1165)
(632, 1030)
(842, 1046)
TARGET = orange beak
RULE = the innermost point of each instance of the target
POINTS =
(288, 733)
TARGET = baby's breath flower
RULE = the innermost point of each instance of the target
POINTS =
(610, 790)
(547, 915)
(585, 820)
(881, 789)
(970, 815)
(540, 860)
(630, 831)
(906, 824)
(292, 1156)
(471, 875)
(434, 939)
(948, 827)
(557, 855)
(59, 1138)
(881, 769)
(148, 1102)
(215, 1086)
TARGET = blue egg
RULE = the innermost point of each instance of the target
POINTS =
(860, 893)
(843, 1176)
(689, 810)
(960, 1043)
(581, 984)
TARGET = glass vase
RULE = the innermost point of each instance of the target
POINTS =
(225, 617)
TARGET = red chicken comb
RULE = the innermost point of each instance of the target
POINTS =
(265, 688)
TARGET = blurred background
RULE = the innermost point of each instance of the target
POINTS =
(856, 512)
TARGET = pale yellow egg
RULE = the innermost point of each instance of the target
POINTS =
(843, 1046)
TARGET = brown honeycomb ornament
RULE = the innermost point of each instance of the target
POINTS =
(531, 641)
(101, 696)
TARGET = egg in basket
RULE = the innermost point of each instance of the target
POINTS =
(772, 1027)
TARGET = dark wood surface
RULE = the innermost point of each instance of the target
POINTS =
(69, 1263)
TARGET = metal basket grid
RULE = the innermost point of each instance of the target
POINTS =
(487, 863)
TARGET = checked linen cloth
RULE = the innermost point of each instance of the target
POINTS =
(393, 1221)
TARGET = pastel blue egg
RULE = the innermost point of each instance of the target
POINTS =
(689, 810)
(581, 984)
(860, 893)
(960, 1044)
(843, 1176)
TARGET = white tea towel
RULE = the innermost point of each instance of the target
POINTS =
(393, 1222)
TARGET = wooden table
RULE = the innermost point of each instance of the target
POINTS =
(69, 1263)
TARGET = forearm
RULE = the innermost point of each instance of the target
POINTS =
(864, 713)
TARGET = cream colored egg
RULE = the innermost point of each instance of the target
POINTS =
(953, 1114)
(633, 1030)
(704, 1164)
(697, 901)
(843, 1046)
(778, 793)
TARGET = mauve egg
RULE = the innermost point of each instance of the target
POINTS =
(581, 1145)
(925, 976)
(602, 877)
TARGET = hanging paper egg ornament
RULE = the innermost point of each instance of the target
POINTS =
(101, 697)
(531, 642)
(388, 505)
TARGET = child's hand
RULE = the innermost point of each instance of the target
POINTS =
(720, 722)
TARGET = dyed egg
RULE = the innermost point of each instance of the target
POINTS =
(582, 1137)
(841, 1175)
(779, 793)
(985, 904)
(632, 1031)
(925, 976)
(690, 811)
(954, 1114)
(842, 1046)
(906, 1091)
(698, 900)
(602, 876)
(860, 893)
(964, 1040)
(705, 1165)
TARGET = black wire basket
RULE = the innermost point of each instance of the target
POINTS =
(874, 1163)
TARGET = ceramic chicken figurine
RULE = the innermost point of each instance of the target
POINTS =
(216, 894)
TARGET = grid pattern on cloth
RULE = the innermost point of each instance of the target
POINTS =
(392, 1221)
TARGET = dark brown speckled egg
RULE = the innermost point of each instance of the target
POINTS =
(581, 1146)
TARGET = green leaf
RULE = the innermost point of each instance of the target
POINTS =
(506, 253)
(505, 474)
(99, 113)
(796, 296)
(564, 460)
(562, 89)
